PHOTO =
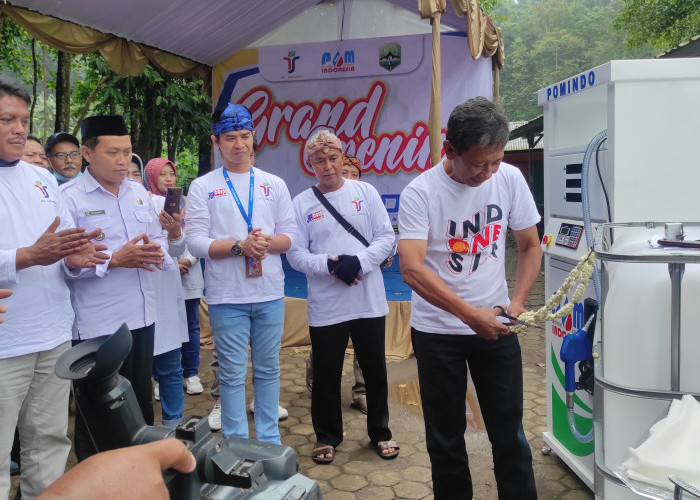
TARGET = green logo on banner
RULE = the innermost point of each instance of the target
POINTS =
(390, 56)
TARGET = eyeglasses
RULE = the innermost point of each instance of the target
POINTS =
(64, 156)
(34, 155)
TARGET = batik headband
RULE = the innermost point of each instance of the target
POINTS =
(353, 162)
(234, 117)
(322, 141)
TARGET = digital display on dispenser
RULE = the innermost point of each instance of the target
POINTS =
(569, 235)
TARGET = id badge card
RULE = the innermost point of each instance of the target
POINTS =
(253, 268)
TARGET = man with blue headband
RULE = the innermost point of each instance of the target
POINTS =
(240, 219)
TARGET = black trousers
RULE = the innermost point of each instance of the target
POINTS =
(328, 344)
(137, 370)
(496, 369)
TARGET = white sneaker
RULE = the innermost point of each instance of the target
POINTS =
(193, 385)
(215, 418)
(156, 390)
(282, 413)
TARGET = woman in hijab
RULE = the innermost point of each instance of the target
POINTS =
(171, 323)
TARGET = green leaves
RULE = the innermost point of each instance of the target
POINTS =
(547, 41)
(663, 24)
(164, 113)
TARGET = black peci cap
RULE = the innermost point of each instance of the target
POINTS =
(95, 126)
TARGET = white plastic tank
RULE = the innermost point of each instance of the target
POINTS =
(636, 322)
(635, 348)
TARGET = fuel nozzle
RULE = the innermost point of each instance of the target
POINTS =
(575, 347)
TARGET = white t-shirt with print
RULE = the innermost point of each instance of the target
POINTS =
(320, 236)
(465, 228)
(212, 214)
(39, 313)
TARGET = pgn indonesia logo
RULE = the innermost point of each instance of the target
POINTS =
(338, 62)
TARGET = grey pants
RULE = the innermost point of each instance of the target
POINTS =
(34, 399)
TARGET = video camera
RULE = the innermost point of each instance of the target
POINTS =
(227, 469)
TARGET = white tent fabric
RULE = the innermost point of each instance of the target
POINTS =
(208, 32)
(348, 19)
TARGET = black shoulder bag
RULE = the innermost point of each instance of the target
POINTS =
(341, 220)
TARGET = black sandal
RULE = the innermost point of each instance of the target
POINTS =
(320, 452)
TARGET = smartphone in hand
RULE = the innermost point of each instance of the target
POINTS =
(172, 200)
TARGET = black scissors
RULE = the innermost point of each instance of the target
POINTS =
(504, 314)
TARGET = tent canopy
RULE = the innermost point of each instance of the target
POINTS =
(184, 37)
(204, 31)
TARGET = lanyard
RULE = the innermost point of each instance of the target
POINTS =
(249, 216)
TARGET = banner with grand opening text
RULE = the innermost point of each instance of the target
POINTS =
(373, 93)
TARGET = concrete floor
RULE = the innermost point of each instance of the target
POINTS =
(357, 472)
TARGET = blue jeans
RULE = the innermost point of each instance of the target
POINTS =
(168, 372)
(190, 350)
(234, 327)
(496, 368)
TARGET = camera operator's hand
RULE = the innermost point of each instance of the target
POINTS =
(134, 472)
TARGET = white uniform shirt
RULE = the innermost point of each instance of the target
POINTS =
(39, 314)
(212, 214)
(193, 280)
(320, 236)
(171, 325)
(465, 228)
(105, 298)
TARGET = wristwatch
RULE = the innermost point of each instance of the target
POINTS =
(237, 249)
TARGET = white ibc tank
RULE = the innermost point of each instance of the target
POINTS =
(636, 350)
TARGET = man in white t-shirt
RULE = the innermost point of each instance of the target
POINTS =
(346, 296)
(453, 221)
(240, 219)
(36, 233)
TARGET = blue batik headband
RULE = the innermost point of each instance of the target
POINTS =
(234, 117)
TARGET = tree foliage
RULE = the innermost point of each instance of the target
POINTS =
(662, 23)
(164, 114)
(32, 63)
(547, 41)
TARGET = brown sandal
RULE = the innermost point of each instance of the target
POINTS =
(360, 404)
(320, 452)
(385, 445)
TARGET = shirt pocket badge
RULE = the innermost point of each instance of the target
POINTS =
(91, 222)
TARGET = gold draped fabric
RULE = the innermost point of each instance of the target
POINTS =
(483, 36)
(124, 57)
(432, 9)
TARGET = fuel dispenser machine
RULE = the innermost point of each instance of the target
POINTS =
(620, 146)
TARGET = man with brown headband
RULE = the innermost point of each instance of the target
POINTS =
(352, 169)
(346, 296)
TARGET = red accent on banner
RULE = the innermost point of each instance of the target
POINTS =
(352, 121)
